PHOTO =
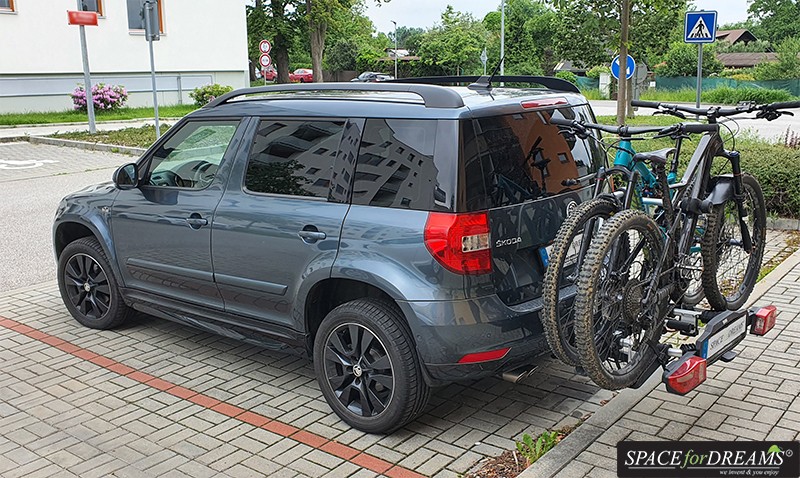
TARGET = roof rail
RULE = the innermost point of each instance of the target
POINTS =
(433, 96)
(482, 82)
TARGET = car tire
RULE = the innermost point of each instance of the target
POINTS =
(88, 286)
(367, 366)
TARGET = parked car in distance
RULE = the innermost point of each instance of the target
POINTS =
(270, 73)
(395, 233)
(302, 75)
(372, 77)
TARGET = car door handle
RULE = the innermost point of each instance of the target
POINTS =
(196, 222)
(312, 235)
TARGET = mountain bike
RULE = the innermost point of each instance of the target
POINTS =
(634, 271)
(640, 191)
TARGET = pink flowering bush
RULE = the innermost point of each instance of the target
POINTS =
(104, 97)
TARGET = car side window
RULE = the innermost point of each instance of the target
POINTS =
(190, 158)
(294, 157)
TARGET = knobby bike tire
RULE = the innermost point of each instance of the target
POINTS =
(720, 292)
(589, 283)
(557, 314)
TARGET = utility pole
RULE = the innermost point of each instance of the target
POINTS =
(502, 37)
(87, 79)
(622, 91)
(151, 35)
(395, 48)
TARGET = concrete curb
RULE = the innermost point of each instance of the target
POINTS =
(783, 224)
(586, 434)
(81, 123)
(13, 139)
(110, 148)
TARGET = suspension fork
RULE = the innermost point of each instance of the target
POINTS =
(738, 197)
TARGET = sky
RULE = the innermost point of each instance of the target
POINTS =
(424, 13)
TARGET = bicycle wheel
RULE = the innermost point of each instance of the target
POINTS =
(694, 267)
(729, 272)
(613, 329)
(558, 294)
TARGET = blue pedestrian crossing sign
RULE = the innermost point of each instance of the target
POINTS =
(628, 73)
(701, 27)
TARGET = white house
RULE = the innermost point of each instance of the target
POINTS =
(202, 42)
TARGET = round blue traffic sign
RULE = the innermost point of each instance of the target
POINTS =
(615, 67)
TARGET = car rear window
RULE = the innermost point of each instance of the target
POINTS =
(515, 158)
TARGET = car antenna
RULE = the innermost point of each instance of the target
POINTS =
(485, 82)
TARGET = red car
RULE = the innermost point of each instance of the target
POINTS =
(303, 75)
(270, 73)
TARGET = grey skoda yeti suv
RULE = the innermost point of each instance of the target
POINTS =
(397, 233)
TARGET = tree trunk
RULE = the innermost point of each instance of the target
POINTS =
(280, 50)
(318, 31)
(622, 93)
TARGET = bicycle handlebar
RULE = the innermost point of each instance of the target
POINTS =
(718, 111)
(629, 131)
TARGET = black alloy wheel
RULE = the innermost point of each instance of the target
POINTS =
(359, 370)
(367, 366)
(87, 286)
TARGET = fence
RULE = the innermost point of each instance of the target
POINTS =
(677, 83)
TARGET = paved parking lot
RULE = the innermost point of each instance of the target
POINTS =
(158, 399)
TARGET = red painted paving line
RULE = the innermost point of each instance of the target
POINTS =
(345, 452)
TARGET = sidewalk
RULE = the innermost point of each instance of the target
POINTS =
(755, 397)
(7, 132)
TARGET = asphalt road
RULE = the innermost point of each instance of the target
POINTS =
(29, 195)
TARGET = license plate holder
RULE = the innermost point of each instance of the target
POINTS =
(721, 335)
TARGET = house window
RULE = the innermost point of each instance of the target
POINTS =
(92, 6)
(6, 5)
(136, 18)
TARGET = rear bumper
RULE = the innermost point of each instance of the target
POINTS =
(446, 331)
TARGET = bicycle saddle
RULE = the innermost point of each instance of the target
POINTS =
(656, 157)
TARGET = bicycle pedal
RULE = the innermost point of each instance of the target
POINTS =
(580, 371)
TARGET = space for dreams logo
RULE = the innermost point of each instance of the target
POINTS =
(695, 459)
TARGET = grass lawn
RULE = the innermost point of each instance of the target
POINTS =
(134, 137)
(72, 116)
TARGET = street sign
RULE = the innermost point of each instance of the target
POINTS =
(631, 68)
(484, 59)
(265, 47)
(700, 27)
(264, 60)
(82, 18)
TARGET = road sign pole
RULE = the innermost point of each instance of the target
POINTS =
(699, 72)
(87, 78)
(149, 32)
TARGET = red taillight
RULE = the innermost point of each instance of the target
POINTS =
(688, 374)
(764, 320)
(460, 242)
(485, 356)
(543, 102)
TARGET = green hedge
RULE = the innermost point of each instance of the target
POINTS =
(732, 96)
(777, 168)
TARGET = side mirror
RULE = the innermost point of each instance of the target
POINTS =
(126, 177)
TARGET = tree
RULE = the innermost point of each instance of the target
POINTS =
(788, 65)
(409, 38)
(277, 21)
(530, 37)
(454, 46)
(681, 60)
(589, 29)
(320, 14)
(779, 19)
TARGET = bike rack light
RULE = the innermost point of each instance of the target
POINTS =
(764, 320)
(686, 374)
